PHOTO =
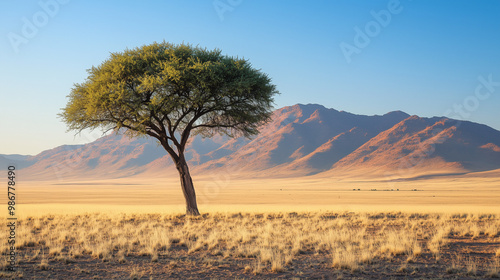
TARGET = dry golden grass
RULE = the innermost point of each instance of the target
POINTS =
(471, 266)
(494, 269)
(263, 243)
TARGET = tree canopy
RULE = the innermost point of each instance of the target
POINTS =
(170, 91)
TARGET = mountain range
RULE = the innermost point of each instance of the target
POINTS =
(300, 140)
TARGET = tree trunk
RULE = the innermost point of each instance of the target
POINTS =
(187, 187)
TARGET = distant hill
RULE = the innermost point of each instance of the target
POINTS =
(304, 140)
(19, 161)
(427, 146)
(300, 140)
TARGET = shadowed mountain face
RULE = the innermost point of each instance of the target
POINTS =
(427, 145)
(305, 139)
(300, 140)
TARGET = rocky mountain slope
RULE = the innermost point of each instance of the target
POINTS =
(300, 140)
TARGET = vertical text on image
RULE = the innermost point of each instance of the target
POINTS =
(11, 219)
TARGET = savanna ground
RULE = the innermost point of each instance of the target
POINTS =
(302, 245)
(292, 230)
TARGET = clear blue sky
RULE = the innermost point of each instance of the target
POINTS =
(424, 60)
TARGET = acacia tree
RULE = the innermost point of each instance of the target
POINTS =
(171, 92)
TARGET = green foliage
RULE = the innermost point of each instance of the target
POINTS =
(170, 91)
